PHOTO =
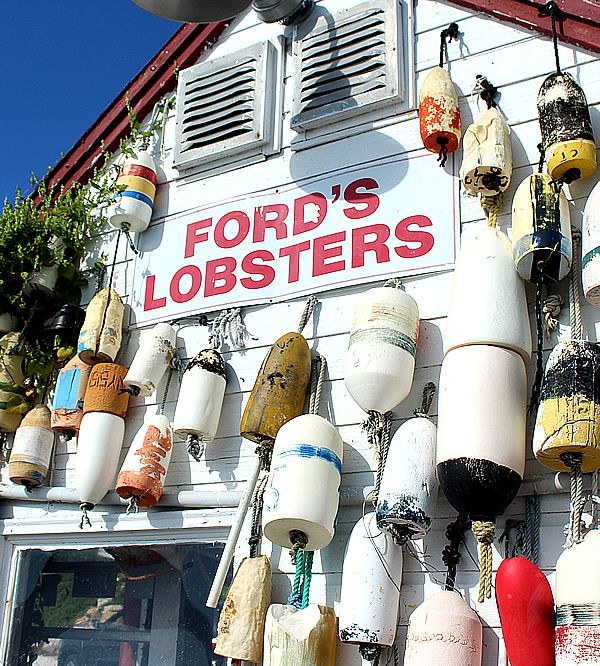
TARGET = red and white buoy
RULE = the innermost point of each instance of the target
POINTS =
(133, 205)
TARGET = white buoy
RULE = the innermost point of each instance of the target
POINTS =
(444, 629)
(32, 449)
(577, 637)
(303, 490)
(371, 580)
(101, 334)
(153, 357)
(409, 486)
(383, 344)
(489, 303)
(590, 247)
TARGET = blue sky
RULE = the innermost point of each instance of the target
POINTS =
(62, 62)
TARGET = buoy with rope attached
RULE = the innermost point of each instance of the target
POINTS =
(67, 405)
(590, 248)
(151, 360)
(32, 449)
(101, 334)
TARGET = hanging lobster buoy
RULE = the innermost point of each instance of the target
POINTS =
(155, 353)
(279, 390)
(526, 609)
(303, 637)
(67, 407)
(380, 362)
(568, 418)
(242, 621)
(481, 437)
(577, 637)
(134, 202)
(409, 486)
(370, 596)
(566, 128)
(541, 230)
(487, 155)
(13, 403)
(144, 469)
(439, 114)
(32, 449)
(100, 335)
(590, 248)
(444, 629)
(489, 303)
(101, 432)
(200, 398)
(303, 491)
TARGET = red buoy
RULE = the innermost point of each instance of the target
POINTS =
(526, 608)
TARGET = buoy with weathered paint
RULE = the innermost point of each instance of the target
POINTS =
(200, 399)
(487, 155)
(153, 357)
(577, 637)
(439, 114)
(568, 418)
(481, 437)
(279, 390)
(145, 467)
(488, 304)
(303, 491)
(100, 335)
(566, 128)
(370, 596)
(132, 208)
(13, 402)
(101, 433)
(242, 620)
(380, 362)
(590, 248)
(8, 323)
(303, 637)
(444, 629)
(67, 406)
(541, 230)
(32, 449)
(409, 486)
(526, 609)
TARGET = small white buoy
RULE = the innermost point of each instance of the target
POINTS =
(133, 205)
(153, 357)
(590, 248)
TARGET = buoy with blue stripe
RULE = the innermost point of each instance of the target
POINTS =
(370, 596)
(153, 357)
(380, 362)
(133, 205)
(67, 406)
(590, 248)
(302, 495)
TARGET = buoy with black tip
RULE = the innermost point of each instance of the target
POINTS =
(100, 434)
(67, 406)
(577, 634)
(101, 333)
(408, 493)
(481, 438)
(13, 401)
(151, 360)
(590, 248)
(370, 596)
(200, 400)
(526, 608)
(142, 476)
(32, 449)
(439, 113)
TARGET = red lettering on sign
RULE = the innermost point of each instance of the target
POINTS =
(151, 303)
(271, 216)
(243, 227)
(321, 253)
(293, 252)
(193, 235)
(252, 268)
(220, 270)
(360, 244)
(424, 239)
(183, 297)
(309, 212)
(368, 200)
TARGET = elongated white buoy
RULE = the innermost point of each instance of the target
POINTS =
(590, 248)
(155, 353)
(32, 449)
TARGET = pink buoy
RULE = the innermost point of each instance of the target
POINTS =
(526, 608)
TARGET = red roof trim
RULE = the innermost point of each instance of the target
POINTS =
(579, 25)
(155, 79)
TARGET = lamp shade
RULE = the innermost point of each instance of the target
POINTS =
(194, 11)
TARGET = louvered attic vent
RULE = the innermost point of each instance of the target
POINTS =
(347, 64)
(225, 106)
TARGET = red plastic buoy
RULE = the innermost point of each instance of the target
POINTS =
(526, 608)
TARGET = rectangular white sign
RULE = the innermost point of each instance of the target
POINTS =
(391, 218)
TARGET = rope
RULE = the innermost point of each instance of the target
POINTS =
(317, 379)
(308, 562)
(551, 311)
(166, 391)
(295, 598)
(378, 427)
(394, 282)
(303, 578)
(491, 207)
(311, 302)
(573, 461)
(542, 150)
(449, 33)
(85, 518)
(194, 446)
(132, 505)
(510, 525)
(485, 533)
(370, 652)
(125, 226)
(531, 532)
(256, 521)
(539, 367)
(551, 9)
(595, 498)
(428, 395)
(442, 142)
(486, 90)
(228, 326)
(574, 303)
(455, 533)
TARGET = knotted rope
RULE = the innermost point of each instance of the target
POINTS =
(539, 366)
(317, 379)
(228, 326)
(551, 310)
(85, 518)
(574, 302)
(311, 303)
(492, 205)
(485, 533)
(378, 427)
(427, 399)
(573, 461)
(531, 531)
(455, 533)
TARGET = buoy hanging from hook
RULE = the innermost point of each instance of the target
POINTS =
(32, 449)
(101, 334)
(67, 407)
(132, 208)
(152, 359)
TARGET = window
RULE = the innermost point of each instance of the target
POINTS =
(115, 606)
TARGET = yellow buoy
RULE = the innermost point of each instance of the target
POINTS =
(100, 335)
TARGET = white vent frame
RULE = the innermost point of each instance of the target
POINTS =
(260, 103)
(393, 67)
